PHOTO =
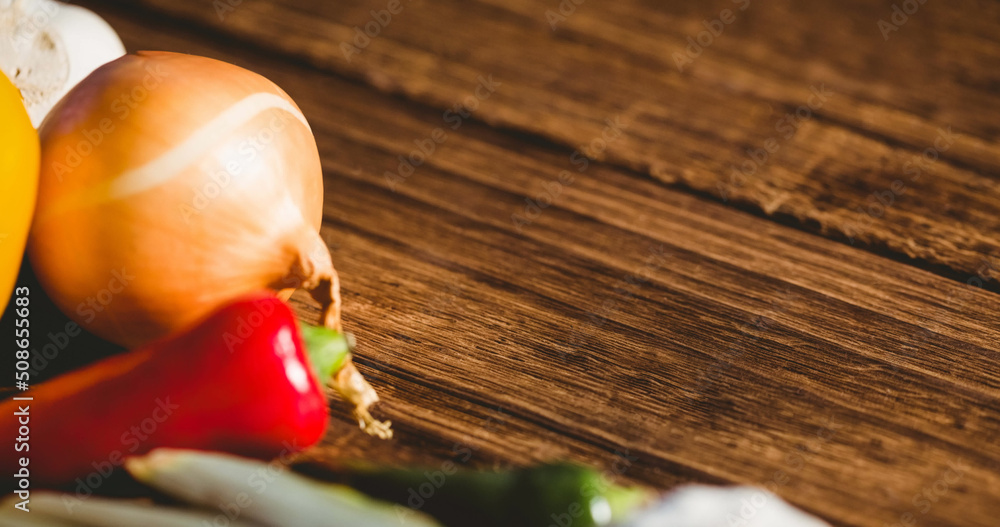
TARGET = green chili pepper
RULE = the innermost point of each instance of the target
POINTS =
(560, 494)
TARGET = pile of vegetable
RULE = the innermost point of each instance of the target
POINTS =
(171, 204)
(168, 186)
(179, 201)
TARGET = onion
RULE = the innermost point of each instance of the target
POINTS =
(48, 47)
(170, 184)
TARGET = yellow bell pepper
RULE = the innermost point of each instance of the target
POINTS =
(19, 157)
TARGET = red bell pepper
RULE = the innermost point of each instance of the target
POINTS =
(238, 382)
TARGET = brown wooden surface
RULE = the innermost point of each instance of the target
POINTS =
(710, 343)
(940, 70)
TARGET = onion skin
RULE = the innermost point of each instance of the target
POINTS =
(169, 185)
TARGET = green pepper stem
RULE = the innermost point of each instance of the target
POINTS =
(330, 354)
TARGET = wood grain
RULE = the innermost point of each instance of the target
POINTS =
(628, 320)
(718, 125)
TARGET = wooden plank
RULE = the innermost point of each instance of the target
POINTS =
(712, 345)
(709, 127)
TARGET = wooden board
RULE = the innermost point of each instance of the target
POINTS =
(916, 105)
(628, 321)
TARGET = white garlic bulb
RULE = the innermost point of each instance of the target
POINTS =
(47, 47)
(705, 506)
